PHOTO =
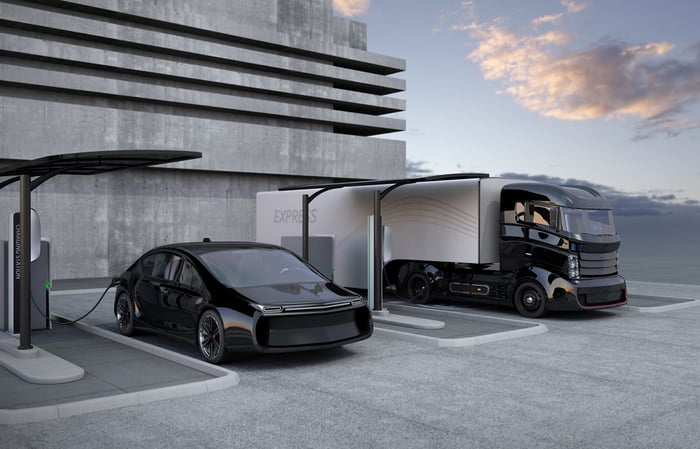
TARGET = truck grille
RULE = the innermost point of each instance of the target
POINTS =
(598, 264)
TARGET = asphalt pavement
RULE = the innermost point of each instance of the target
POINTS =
(624, 377)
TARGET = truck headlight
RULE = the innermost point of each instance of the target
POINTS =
(572, 266)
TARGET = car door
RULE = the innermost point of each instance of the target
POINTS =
(184, 298)
(159, 273)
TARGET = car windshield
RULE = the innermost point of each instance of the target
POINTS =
(588, 221)
(258, 266)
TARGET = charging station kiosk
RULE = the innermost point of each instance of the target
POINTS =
(9, 280)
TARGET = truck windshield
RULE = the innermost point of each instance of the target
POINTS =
(587, 221)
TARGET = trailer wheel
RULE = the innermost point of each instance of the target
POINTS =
(418, 288)
(401, 283)
(529, 299)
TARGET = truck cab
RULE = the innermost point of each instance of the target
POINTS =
(561, 245)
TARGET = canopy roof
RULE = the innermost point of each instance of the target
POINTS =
(91, 163)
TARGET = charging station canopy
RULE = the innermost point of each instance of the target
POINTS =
(45, 168)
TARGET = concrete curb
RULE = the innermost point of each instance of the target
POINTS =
(660, 309)
(78, 291)
(407, 321)
(461, 342)
(37, 365)
(223, 379)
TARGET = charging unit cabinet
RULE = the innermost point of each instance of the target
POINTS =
(9, 289)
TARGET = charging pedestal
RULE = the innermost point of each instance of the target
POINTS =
(9, 284)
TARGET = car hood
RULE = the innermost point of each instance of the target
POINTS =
(297, 293)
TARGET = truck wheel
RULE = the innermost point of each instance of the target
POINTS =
(418, 288)
(401, 283)
(530, 299)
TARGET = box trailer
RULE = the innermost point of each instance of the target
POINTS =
(532, 245)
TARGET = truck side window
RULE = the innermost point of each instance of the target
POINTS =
(540, 215)
(543, 215)
(520, 212)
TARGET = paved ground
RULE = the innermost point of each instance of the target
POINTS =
(613, 379)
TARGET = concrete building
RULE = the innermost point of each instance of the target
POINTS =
(272, 92)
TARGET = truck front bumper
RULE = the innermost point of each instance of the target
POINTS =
(587, 294)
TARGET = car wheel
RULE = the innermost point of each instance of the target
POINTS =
(124, 313)
(418, 288)
(530, 299)
(210, 337)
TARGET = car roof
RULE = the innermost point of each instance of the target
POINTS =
(206, 247)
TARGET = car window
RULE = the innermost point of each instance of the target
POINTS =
(161, 265)
(172, 266)
(190, 277)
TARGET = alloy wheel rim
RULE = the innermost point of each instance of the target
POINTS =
(209, 337)
(123, 314)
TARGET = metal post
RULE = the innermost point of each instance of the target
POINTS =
(305, 227)
(378, 253)
(25, 335)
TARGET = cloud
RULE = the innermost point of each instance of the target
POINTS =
(543, 72)
(415, 169)
(351, 7)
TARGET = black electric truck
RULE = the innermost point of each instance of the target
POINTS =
(536, 246)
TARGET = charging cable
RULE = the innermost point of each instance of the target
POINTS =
(114, 282)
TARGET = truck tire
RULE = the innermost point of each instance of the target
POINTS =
(529, 300)
(418, 288)
(401, 279)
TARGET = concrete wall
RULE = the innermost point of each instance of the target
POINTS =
(271, 92)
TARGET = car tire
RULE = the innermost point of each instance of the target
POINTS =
(124, 312)
(529, 299)
(210, 337)
(418, 288)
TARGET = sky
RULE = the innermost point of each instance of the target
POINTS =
(601, 91)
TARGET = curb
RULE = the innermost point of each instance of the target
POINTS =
(223, 379)
(660, 309)
(461, 342)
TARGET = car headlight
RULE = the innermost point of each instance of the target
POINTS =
(573, 267)
(266, 309)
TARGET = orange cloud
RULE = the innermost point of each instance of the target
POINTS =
(544, 75)
(351, 7)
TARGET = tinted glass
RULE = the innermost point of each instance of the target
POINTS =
(588, 221)
(161, 265)
(255, 267)
(190, 277)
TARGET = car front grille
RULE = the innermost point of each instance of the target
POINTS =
(313, 329)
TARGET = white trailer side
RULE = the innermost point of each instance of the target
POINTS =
(447, 221)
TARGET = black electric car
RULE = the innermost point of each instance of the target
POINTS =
(237, 297)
